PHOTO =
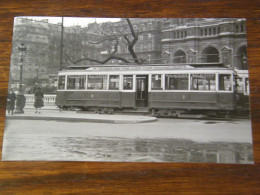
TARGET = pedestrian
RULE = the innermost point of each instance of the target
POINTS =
(38, 100)
(11, 97)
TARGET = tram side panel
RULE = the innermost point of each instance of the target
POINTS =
(191, 100)
(88, 99)
(127, 99)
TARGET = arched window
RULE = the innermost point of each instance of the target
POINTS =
(210, 55)
(179, 57)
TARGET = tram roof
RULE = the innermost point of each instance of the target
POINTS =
(146, 67)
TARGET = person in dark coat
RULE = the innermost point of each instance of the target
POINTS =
(11, 97)
(38, 100)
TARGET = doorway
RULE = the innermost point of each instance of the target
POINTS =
(141, 90)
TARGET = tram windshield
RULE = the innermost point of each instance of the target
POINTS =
(61, 82)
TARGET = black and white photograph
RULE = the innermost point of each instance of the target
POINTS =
(128, 90)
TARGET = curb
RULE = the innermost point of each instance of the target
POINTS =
(92, 120)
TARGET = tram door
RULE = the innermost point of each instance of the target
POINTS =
(141, 90)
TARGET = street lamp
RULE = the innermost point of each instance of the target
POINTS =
(20, 101)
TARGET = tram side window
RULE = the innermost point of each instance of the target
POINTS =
(225, 82)
(156, 82)
(176, 81)
(97, 82)
(247, 88)
(203, 82)
(114, 82)
(61, 82)
(76, 82)
(239, 87)
(128, 82)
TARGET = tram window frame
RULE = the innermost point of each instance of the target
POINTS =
(240, 85)
(103, 84)
(222, 86)
(132, 82)
(116, 87)
(178, 79)
(61, 82)
(247, 86)
(203, 81)
(153, 78)
(79, 84)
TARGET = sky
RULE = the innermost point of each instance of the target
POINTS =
(73, 21)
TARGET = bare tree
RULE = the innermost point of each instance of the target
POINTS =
(128, 37)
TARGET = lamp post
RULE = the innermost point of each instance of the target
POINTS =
(20, 101)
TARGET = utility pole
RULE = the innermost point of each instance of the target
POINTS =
(61, 44)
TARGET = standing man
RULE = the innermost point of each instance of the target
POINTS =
(11, 97)
(38, 100)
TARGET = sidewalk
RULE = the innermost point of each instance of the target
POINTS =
(72, 116)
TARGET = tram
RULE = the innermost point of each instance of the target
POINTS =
(168, 90)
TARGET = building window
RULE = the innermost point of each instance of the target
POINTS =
(176, 81)
(114, 82)
(218, 30)
(241, 28)
(157, 82)
(237, 28)
(61, 82)
(76, 81)
(224, 82)
(210, 32)
(203, 82)
(201, 32)
(205, 32)
(185, 33)
(214, 31)
(128, 82)
(97, 82)
(174, 35)
(178, 33)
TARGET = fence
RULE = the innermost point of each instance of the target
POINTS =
(49, 100)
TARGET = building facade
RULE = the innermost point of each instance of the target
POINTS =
(199, 40)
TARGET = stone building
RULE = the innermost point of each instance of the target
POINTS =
(35, 37)
(200, 40)
(148, 46)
